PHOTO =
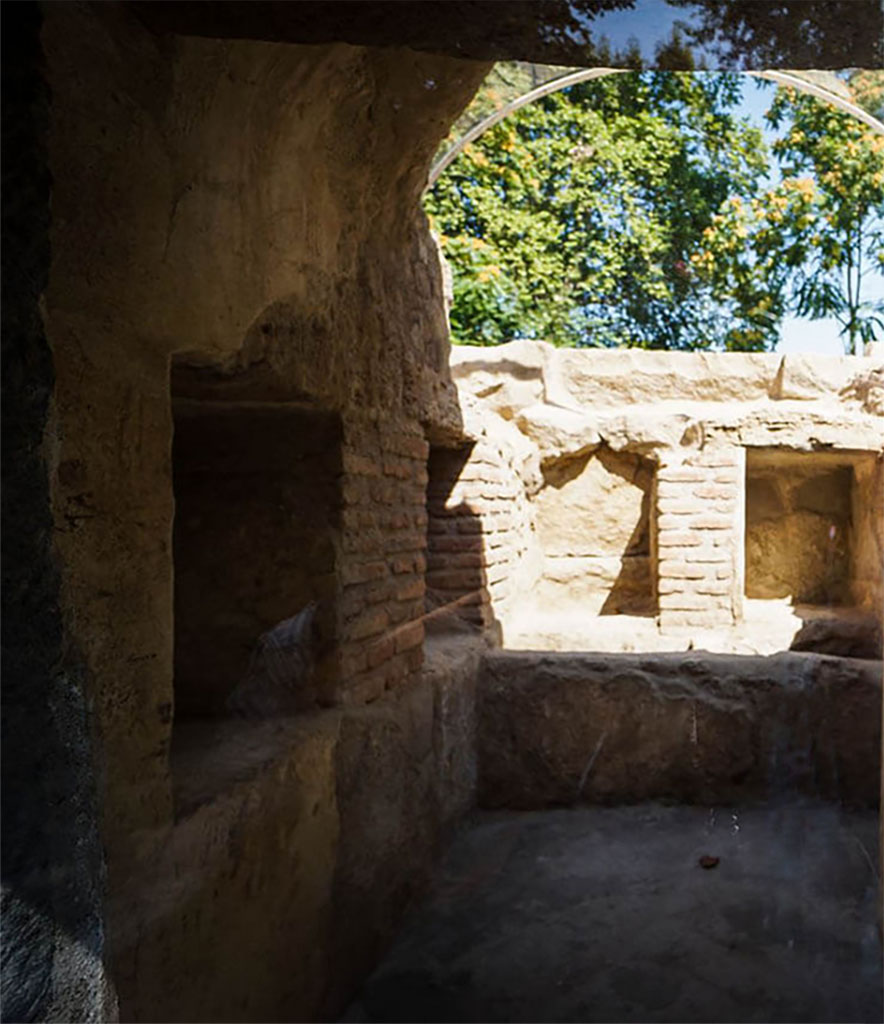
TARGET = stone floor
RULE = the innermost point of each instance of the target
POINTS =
(768, 626)
(605, 914)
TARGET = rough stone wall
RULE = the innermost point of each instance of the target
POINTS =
(456, 555)
(53, 865)
(689, 418)
(695, 728)
(867, 540)
(251, 209)
(479, 529)
(700, 537)
(288, 872)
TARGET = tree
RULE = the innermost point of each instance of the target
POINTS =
(810, 245)
(867, 88)
(759, 33)
(575, 219)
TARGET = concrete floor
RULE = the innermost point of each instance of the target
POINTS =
(604, 914)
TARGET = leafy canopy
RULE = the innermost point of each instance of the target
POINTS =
(574, 220)
(816, 239)
(632, 210)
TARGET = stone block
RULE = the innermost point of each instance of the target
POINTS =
(560, 728)
(409, 636)
(669, 569)
(369, 623)
(713, 588)
(670, 538)
(713, 522)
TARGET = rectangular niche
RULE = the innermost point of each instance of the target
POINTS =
(808, 527)
(596, 533)
(255, 539)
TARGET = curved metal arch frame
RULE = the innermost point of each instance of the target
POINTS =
(784, 78)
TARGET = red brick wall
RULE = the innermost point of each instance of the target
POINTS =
(382, 560)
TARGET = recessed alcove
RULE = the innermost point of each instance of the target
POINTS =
(255, 539)
(806, 526)
(595, 530)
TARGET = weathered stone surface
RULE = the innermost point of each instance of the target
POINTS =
(809, 377)
(405, 773)
(798, 528)
(593, 527)
(563, 728)
(605, 378)
(615, 585)
(694, 415)
(594, 505)
(247, 212)
(847, 638)
(53, 958)
(299, 844)
(558, 432)
(867, 386)
(226, 913)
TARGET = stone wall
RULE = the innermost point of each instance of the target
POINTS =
(53, 899)
(694, 727)
(689, 420)
(867, 539)
(383, 556)
(478, 525)
(238, 223)
(300, 843)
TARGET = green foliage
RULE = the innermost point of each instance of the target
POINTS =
(632, 211)
(574, 219)
(809, 245)
(867, 88)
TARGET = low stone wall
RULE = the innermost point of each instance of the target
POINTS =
(698, 728)
(298, 846)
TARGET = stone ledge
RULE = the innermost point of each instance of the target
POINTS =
(693, 727)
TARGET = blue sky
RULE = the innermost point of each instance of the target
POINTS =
(656, 20)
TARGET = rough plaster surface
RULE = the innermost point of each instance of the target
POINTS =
(567, 728)
(604, 914)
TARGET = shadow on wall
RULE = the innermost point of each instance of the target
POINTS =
(458, 554)
(594, 525)
(256, 523)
